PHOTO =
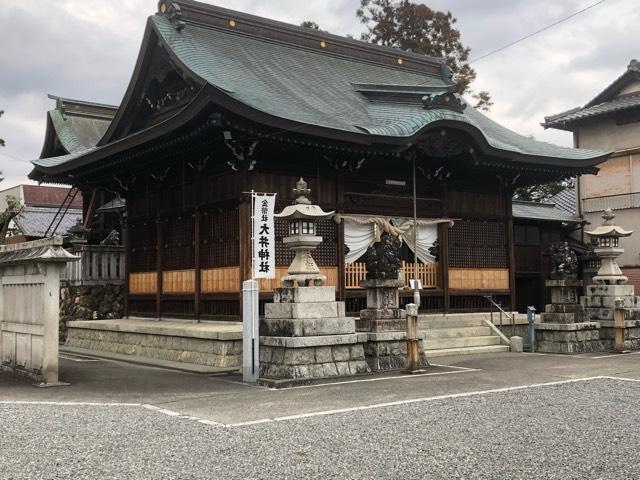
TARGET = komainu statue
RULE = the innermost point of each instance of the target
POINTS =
(383, 258)
(565, 262)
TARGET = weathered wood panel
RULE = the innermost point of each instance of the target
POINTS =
(479, 278)
(179, 281)
(222, 279)
(143, 283)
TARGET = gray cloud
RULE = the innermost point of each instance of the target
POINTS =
(87, 48)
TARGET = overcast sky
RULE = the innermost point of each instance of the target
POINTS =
(86, 49)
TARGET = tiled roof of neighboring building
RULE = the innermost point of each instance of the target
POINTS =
(542, 211)
(618, 104)
(565, 200)
(34, 221)
(42, 196)
(606, 102)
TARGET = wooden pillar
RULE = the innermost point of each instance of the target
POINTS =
(340, 237)
(197, 222)
(126, 234)
(443, 236)
(510, 247)
(160, 242)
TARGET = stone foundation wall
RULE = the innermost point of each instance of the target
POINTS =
(200, 351)
(312, 362)
(580, 339)
(97, 302)
(631, 335)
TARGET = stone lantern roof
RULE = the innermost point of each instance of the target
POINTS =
(608, 227)
(303, 209)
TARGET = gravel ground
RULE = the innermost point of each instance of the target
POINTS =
(569, 431)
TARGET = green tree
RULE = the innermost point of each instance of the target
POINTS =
(13, 210)
(310, 24)
(542, 192)
(418, 28)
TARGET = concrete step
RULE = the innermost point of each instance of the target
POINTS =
(466, 351)
(447, 343)
(457, 332)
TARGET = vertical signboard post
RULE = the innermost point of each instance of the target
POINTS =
(263, 252)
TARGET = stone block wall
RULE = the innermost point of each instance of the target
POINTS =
(312, 362)
(96, 302)
(200, 351)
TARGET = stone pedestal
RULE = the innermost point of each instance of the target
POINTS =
(383, 312)
(305, 335)
(601, 300)
(384, 327)
(565, 326)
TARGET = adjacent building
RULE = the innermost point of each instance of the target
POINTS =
(611, 121)
(40, 213)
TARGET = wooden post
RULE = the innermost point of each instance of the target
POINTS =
(127, 261)
(340, 237)
(341, 261)
(197, 220)
(160, 242)
(618, 318)
(444, 264)
(511, 248)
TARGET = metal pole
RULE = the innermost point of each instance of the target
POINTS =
(531, 318)
(416, 290)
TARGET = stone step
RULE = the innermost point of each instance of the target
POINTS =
(458, 332)
(466, 351)
(443, 322)
(446, 343)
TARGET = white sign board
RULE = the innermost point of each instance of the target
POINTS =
(264, 244)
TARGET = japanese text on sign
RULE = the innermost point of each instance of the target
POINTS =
(264, 247)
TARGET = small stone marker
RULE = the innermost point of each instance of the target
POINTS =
(516, 344)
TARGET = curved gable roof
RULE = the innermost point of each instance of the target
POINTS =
(306, 80)
(75, 126)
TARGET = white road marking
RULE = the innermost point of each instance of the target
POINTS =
(73, 404)
(379, 379)
(78, 359)
(204, 421)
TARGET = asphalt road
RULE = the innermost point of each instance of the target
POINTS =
(576, 430)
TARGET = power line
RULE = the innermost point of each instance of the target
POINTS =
(504, 47)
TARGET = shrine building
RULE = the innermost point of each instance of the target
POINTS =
(222, 103)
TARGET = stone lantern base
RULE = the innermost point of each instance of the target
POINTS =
(306, 335)
(565, 326)
(601, 300)
(384, 325)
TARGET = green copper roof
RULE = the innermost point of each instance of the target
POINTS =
(75, 126)
(78, 133)
(320, 88)
(339, 88)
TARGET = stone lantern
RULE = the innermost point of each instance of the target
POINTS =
(608, 236)
(302, 217)
(78, 233)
